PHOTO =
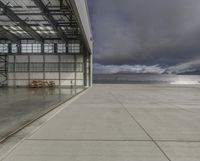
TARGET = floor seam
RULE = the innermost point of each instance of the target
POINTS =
(181, 141)
(133, 117)
(66, 103)
(98, 140)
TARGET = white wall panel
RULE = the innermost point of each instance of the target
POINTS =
(67, 75)
(51, 75)
(21, 75)
(51, 58)
(79, 58)
(11, 59)
(11, 83)
(79, 75)
(67, 58)
(21, 58)
(22, 83)
(10, 75)
(36, 58)
(79, 83)
(36, 76)
(66, 83)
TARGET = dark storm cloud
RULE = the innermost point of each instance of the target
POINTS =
(146, 32)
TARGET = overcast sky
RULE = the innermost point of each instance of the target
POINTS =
(146, 34)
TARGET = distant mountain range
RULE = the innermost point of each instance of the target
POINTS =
(165, 72)
(134, 73)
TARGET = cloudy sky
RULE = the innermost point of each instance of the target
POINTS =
(146, 35)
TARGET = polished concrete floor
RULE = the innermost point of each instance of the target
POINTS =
(120, 123)
(19, 106)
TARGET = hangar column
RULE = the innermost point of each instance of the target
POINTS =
(3, 69)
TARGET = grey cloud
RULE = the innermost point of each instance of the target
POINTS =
(146, 32)
(190, 66)
(112, 69)
(185, 67)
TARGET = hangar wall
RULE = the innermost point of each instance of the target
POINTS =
(29, 68)
(41, 52)
(66, 65)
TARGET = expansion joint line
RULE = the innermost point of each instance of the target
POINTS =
(137, 122)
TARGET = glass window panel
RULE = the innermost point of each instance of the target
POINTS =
(61, 48)
(14, 48)
(48, 48)
(26, 48)
(3, 48)
(36, 48)
(74, 47)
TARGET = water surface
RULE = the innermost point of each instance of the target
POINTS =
(146, 78)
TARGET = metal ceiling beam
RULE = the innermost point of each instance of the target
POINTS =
(26, 12)
(64, 5)
(51, 20)
(9, 13)
(8, 35)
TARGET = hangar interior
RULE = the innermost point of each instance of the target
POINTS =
(43, 40)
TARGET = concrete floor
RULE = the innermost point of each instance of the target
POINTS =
(21, 105)
(120, 123)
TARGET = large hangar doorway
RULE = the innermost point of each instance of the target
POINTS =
(41, 42)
